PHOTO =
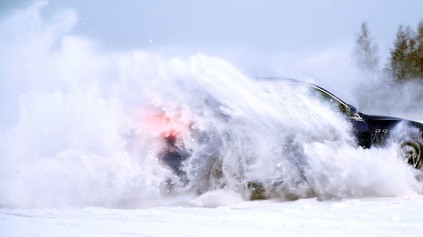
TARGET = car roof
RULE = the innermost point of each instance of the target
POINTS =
(303, 84)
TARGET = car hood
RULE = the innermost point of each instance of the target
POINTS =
(382, 117)
(390, 120)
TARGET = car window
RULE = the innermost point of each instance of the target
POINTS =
(330, 99)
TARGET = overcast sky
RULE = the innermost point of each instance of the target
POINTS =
(253, 30)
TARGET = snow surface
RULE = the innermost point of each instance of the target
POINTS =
(400, 216)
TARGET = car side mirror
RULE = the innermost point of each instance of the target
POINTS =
(352, 111)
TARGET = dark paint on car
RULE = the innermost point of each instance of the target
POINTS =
(368, 130)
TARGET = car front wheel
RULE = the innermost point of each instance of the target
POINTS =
(411, 152)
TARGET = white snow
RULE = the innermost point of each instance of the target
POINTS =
(399, 216)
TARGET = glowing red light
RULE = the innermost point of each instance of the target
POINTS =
(157, 122)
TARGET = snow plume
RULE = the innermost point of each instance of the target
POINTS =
(82, 127)
(395, 99)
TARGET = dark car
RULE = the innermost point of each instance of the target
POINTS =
(368, 131)
(375, 130)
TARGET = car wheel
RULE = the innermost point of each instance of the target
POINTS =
(216, 176)
(412, 153)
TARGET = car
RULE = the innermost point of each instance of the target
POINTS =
(375, 130)
(368, 131)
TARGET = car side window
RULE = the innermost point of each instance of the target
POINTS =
(332, 101)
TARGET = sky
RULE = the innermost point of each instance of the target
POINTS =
(250, 34)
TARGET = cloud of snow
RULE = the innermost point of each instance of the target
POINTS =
(73, 131)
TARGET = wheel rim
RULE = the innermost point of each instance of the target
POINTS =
(412, 154)
(216, 176)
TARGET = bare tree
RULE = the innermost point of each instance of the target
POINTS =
(366, 51)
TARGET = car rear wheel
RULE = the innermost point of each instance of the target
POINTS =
(412, 153)
(216, 175)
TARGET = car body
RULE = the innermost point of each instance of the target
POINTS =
(376, 130)
(368, 131)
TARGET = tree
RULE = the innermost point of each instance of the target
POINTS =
(399, 65)
(418, 52)
(406, 60)
(366, 51)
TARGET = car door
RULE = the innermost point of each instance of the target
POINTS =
(359, 127)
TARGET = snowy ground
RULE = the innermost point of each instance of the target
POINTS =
(400, 216)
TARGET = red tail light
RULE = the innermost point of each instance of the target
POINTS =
(158, 123)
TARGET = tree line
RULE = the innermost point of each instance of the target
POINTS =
(405, 61)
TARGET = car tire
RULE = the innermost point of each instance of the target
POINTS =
(216, 178)
(411, 152)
